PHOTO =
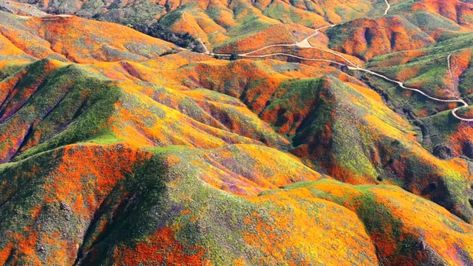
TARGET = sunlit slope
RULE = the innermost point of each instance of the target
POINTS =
(196, 101)
(409, 25)
(343, 128)
(63, 38)
(219, 23)
(391, 218)
(143, 207)
(442, 70)
(337, 123)
(48, 104)
(214, 22)
(121, 148)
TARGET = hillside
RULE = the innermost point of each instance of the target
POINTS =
(241, 132)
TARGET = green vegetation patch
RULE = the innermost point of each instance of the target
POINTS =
(73, 105)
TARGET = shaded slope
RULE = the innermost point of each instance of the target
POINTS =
(391, 217)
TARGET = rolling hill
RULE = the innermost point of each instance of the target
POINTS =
(241, 132)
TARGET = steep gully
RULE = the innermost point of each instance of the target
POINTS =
(349, 64)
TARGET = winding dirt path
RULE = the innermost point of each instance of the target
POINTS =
(401, 84)
(388, 6)
(352, 66)
(348, 63)
(300, 44)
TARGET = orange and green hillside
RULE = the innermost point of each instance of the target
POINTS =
(123, 141)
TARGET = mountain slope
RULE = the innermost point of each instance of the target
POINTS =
(120, 148)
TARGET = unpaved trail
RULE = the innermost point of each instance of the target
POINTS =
(388, 7)
(300, 44)
(352, 66)
(348, 63)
